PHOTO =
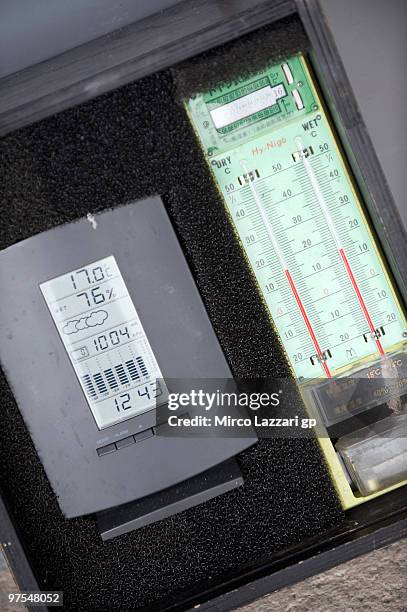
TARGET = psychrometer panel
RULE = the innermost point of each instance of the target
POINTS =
(284, 181)
(274, 156)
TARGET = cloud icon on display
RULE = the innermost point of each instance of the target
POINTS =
(70, 328)
(81, 324)
(96, 318)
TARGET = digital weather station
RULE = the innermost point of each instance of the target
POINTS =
(307, 238)
(95, 318)
(106, 343)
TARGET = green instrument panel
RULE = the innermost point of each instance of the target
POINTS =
(274, 157)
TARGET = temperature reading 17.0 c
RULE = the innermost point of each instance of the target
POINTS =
(90, 275)
(106, 343)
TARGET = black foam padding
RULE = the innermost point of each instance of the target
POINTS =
(126, 145)
(241, 57)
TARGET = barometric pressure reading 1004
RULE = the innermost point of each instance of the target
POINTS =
(105, 340)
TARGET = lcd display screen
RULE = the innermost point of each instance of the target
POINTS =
(105, 340)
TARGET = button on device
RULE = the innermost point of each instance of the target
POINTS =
(163, 427)
(105, 450)
(143, 435)
(125, 442)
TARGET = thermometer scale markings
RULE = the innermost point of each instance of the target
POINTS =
(280, 256)
(288, 276)
(340, 250)
(317, 190)
(260, 227)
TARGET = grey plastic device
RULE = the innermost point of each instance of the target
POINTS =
(196, 490)
(94, 463)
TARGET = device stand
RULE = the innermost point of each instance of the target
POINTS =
(220, 479)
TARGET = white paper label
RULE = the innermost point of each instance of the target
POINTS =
(247, 105)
